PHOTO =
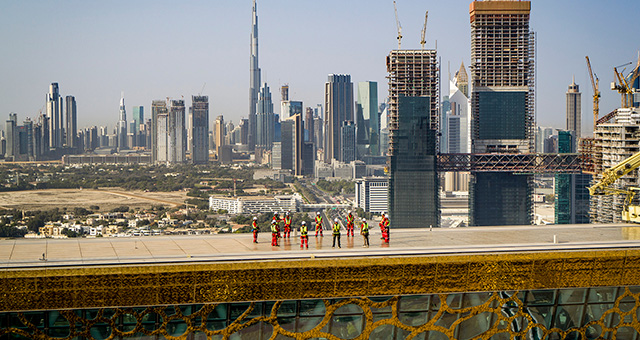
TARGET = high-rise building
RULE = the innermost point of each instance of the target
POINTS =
(12, 136)
(168, 138)
(254, 81)
(265, 119)
(54, 115)
(291, 145)
(574, 113)
(571, 190)
(502, 108)
(138, 116)
(348, 141)
(413, 183)
(338, 95)
(458, 124)
(121, 127)
(199, 142)
(71, 131)
(218, 135)
(308, 126)
(367, 111)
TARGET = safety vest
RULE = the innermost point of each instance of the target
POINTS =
(274, 228)
(254, 227)
(336, 228)
(303, 230)
(318, 219)
(275, 219)
(350, 218)
(384, 222)
(287, 220)
(364, 228)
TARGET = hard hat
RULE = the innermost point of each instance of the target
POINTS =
(336, 219)
(364, 220)
(273, 222)
(303, 222)
(287, 213)
(275, 213)
(349, 211)
(318, 213)
(254, 218)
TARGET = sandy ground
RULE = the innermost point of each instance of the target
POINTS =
(106, 199)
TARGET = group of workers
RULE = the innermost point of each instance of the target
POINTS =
(304, 232)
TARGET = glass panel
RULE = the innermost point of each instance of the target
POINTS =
(218, 313)
(541, 315)
(453, 300)
(100, 331)
(381, 310)
(288, 324)
(446, 320)
(626, 333)
(308, 323)
(176, 328)
(568, 317)
(377, 317)
(593, 332)
(475, 325)
(606, 294)
(475, 299)
(346, 327)
(541, 297)
(595, 312)
(500, 336)
(413, 318)
(383, 332)
(413, 303)
(626, 307)
(348, 309)
(435, 335)
(312, 307)
(571, 295)
(216, 325)
(258, 331)
(434, 304)
(287, 308)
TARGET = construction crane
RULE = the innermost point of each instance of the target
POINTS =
(202, 90)
(595, 84)
(631, 209)
(624, 84)
(423, 40)
(395, 8)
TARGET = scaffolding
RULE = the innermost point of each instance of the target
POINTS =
(522, 164)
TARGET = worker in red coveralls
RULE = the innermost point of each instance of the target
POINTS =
(384, 226)
(255, 229)
(276, 220)
(350, 222)
(274, 234)
(318, 224)
(304, 235)
(381, 226)
(287, 225)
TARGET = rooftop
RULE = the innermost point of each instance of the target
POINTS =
(28, 253)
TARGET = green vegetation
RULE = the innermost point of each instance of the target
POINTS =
(336, 187)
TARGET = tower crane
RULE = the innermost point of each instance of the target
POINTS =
(395, 8)
(631, 209)
(623, 85)
(424, 30)
(596, 94)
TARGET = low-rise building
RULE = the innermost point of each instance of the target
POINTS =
(256, 205)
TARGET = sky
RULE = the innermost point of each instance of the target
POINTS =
(156, 49)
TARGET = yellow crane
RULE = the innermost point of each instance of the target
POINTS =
(423, 40)
(631, 209)
(595, 84)
(395, 8)
(623, 85)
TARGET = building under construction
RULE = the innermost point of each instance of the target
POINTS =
(615, 141)
(502, 108)
(414, 94)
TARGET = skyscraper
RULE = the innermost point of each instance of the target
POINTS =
(413, 119)
(71, 130)
(218, 135)
(502, 108)
(367, 110)
(348, 141)
(199, 142)
(265, 119)
(54, 115)
(12, 136)
(254, 81)
(167, 132)
(338, 94)
(574, 113)
(308, 125)
(121, 127)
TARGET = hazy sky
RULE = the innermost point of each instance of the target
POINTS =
(158, 49)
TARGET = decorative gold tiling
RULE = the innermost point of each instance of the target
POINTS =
(494, 316)
(149, 285)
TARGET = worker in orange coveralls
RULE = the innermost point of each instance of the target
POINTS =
(304, 236)
(255, 229)
(384, 227)
(350, 222)
(276, 220)
(287, 225)
(318, 224)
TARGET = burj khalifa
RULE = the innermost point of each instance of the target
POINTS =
(254, 88)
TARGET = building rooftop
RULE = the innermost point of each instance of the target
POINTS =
(28, 253)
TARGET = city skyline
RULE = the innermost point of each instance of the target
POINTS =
(94, 60)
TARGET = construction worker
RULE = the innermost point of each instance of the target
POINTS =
(255, 229)
(385, 228)
(276, 220)
(287, 225)
(274, 234)
(364, 231)
(318, 224)
(350, 222)
(304, 237)
(381, 224)
(336, 233)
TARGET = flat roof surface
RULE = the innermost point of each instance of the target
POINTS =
(28, 253)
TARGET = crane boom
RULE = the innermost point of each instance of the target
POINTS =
(395, 8)
(596, 94)
(423, 40)
(630, 212)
